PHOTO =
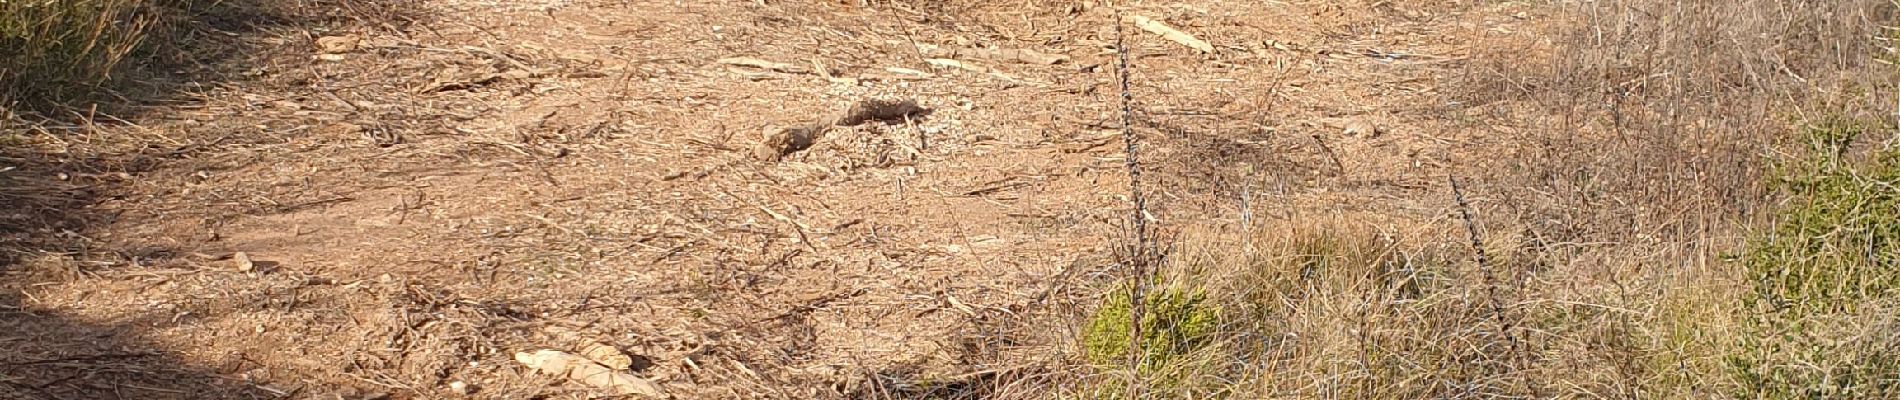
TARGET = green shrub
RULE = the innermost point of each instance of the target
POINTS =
(1174, 322)
(1178, 326)
(1824, 277)
(1837, 243)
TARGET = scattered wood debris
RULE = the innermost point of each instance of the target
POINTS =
(763, 64)
(759, 69)
(1351, 127)
(780, 141)
(338, 44)
(1024, 56)
(1020, 56)
(596, 350)
(967, 66)
(459, 387)
(342, 129)
(949, 63)
(580, 369)
(909, 72)
(824, 72)
(453, 78)
(1363, 128)
(607, 355)
(1166, 32)
(877, 110)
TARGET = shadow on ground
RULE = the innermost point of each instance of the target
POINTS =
(58, 163)
(45, 356)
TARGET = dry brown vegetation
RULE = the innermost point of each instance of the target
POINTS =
(1638, 245)
(1353, 199)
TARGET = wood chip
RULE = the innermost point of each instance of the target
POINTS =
(763, 64)
(824, 72)
(1166, 32)
(338, 44)
(967, 66)
(1024, 56)
(908, 71)
(949, 63)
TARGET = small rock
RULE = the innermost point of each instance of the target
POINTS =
(243, 262)
(338, 44)
(1364, 128)
(458, 387)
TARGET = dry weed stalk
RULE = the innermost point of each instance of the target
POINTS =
(1489, 276)
(1136, 257)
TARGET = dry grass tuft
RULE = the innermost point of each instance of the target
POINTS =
(1641, 245)
(1336, 308)
(57, 49)
(56, 56)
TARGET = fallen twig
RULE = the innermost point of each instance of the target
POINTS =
(1166, 32)
(763, 64)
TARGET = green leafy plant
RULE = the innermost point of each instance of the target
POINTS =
(1824, 276)
(1175, 322)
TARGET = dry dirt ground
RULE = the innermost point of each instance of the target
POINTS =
(485, 174)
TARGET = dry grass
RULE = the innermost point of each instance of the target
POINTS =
(56, 49)
(64, 55)
(1640, 246)
(1331, 307)
(1621, 163)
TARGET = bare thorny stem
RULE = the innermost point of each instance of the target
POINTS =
(1140, 254)
(1484, 267)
